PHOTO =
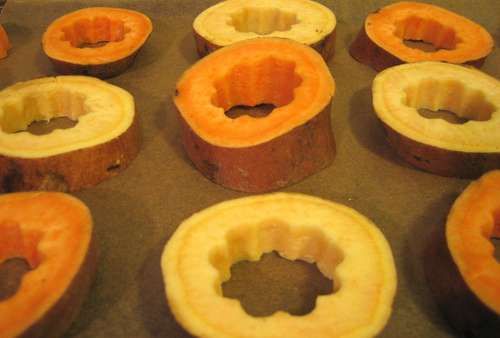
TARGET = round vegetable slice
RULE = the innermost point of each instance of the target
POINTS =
(345, 245)
(466, 148)
(462, 270)
(53, 233)
(230, 21)
(452, 37)
(96, 41)
(250, 153)
(103, 142)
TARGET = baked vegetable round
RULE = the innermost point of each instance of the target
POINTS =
(466, 149)
(53, 233)
(257, 154)
(462, 270)
(345, 245)
(229, 21)
(96, 41)
(4, 43)
(456, 39)
(103, 142)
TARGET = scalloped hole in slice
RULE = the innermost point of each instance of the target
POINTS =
(42, 112)
(262, 20)
(18, 255)
(258, 111)
(46, 127)
(256, 89)
(11, 274)
(426, 34)
(450, 100)
(270, 267)
(276, 284)
(94, 32)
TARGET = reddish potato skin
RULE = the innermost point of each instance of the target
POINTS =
(441, 161)
(74, 170)
(269, 166)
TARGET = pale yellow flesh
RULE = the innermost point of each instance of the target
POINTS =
(345, 245)
(230, 21)
(103, 112)
(399, 92)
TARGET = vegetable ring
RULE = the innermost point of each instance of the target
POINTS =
(230, 21)
(103, 142)
(346, 247)
(466, 148)
(96, 41)
(456, 39)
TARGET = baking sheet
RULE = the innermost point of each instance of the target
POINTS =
(136, 212)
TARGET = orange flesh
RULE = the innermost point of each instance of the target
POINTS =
(123, 31)
(456, 38)
(472, 222)
(4, 43)
(289, 75)
(52, 232)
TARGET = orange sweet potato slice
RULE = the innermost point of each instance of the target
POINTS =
(454, 38)
(53, 233)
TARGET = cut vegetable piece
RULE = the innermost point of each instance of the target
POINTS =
(462, 270)
(4, 43)
(345, 245)
(53, 233)
(249, 153)
(382, 42)
(227, 22)
(103, 142)
(96, 41)
(435, 145)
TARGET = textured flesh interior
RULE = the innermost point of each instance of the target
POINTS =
(18, 115)
(451, 95)
(429, 30)
(86, 32)
(263, 20)
(309, 245)
(270, 81)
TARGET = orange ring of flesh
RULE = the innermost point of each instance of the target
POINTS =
(249, 73)
(459, 38)
(473, 220)
(52, 231)
(125, 31)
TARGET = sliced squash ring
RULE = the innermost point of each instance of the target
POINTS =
(103, 142)
(435, 145)
(346, 246)
(4, 43)
(457, 39)
(53, 233)
(258, 154)
(72, 41)
(230, 21)
(473, 220)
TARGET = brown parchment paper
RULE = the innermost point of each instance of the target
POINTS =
(136, 212)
